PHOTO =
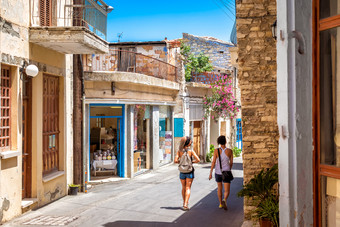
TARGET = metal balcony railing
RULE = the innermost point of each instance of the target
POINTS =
(128, 61)
(91, 14)
(205, 77)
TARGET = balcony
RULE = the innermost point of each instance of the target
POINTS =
(204, 78)
(70, 27)
(130, 67)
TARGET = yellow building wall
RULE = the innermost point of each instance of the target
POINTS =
(47, 188)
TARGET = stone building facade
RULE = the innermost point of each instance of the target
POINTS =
(217, 50)
(257, 81)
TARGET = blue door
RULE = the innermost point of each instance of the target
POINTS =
(239, 143)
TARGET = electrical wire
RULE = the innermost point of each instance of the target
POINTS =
(227, 7)
(222, 8)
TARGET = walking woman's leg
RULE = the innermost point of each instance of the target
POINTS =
(219, 191)
(183, 190)
(226, 191)
(187, 190)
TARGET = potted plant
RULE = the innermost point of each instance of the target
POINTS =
(74, 188)
(261, 189)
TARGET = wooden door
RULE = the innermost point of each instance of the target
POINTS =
(26, 138)
(50, 124)
(127, 59)
(197, 137)
(223, 128)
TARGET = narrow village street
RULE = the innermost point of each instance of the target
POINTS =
(152, 199)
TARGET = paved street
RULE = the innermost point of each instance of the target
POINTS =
(152, 199)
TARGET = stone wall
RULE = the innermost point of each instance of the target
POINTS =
(216, 50)
(257, 80)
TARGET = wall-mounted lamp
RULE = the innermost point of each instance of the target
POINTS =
(30, 70)
(109, 9)
(274, 29)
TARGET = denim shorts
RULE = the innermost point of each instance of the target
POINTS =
(183, 176)
(218, 178)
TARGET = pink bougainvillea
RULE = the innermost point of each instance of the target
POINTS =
(221, 103)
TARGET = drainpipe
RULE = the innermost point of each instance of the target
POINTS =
(77, 126)
(84, 172)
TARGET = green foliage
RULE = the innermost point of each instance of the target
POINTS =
(237, 152)
(263, 194)
(194, 64)
(211, 153)
(269, 209)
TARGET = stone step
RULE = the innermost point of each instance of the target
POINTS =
(28, 204)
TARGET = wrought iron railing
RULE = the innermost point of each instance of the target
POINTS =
(91, 14)
(128, 61)
(205, 77)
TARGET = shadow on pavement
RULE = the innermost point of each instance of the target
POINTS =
(237, 166)
(204, 213)
(172, 208)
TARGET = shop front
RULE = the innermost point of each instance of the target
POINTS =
(127, 139)
(106, 141)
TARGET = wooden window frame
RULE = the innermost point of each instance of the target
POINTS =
(319, 169)
(5, 108)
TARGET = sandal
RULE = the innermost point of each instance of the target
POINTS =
(224, 205)
(185, 208)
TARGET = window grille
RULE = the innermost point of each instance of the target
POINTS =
(5, 109)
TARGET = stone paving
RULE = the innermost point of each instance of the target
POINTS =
(152, 199)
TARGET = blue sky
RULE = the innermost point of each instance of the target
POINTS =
(152, 20)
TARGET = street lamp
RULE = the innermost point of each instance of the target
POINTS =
(30, 70)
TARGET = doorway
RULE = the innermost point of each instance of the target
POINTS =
(196, 136)
(106, 153)
(26, 138)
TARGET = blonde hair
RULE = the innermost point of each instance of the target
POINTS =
(185, 141)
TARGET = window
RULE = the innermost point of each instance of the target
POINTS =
(50, 124)
(5, 109)
(45, 13)
(327, 112)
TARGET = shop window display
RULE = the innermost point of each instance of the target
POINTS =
(141, 155)
(165, 134)
(104, 141)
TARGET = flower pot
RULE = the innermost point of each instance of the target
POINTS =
(74, 190)
(265, 223)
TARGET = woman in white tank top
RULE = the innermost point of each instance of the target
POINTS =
(226, 155)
